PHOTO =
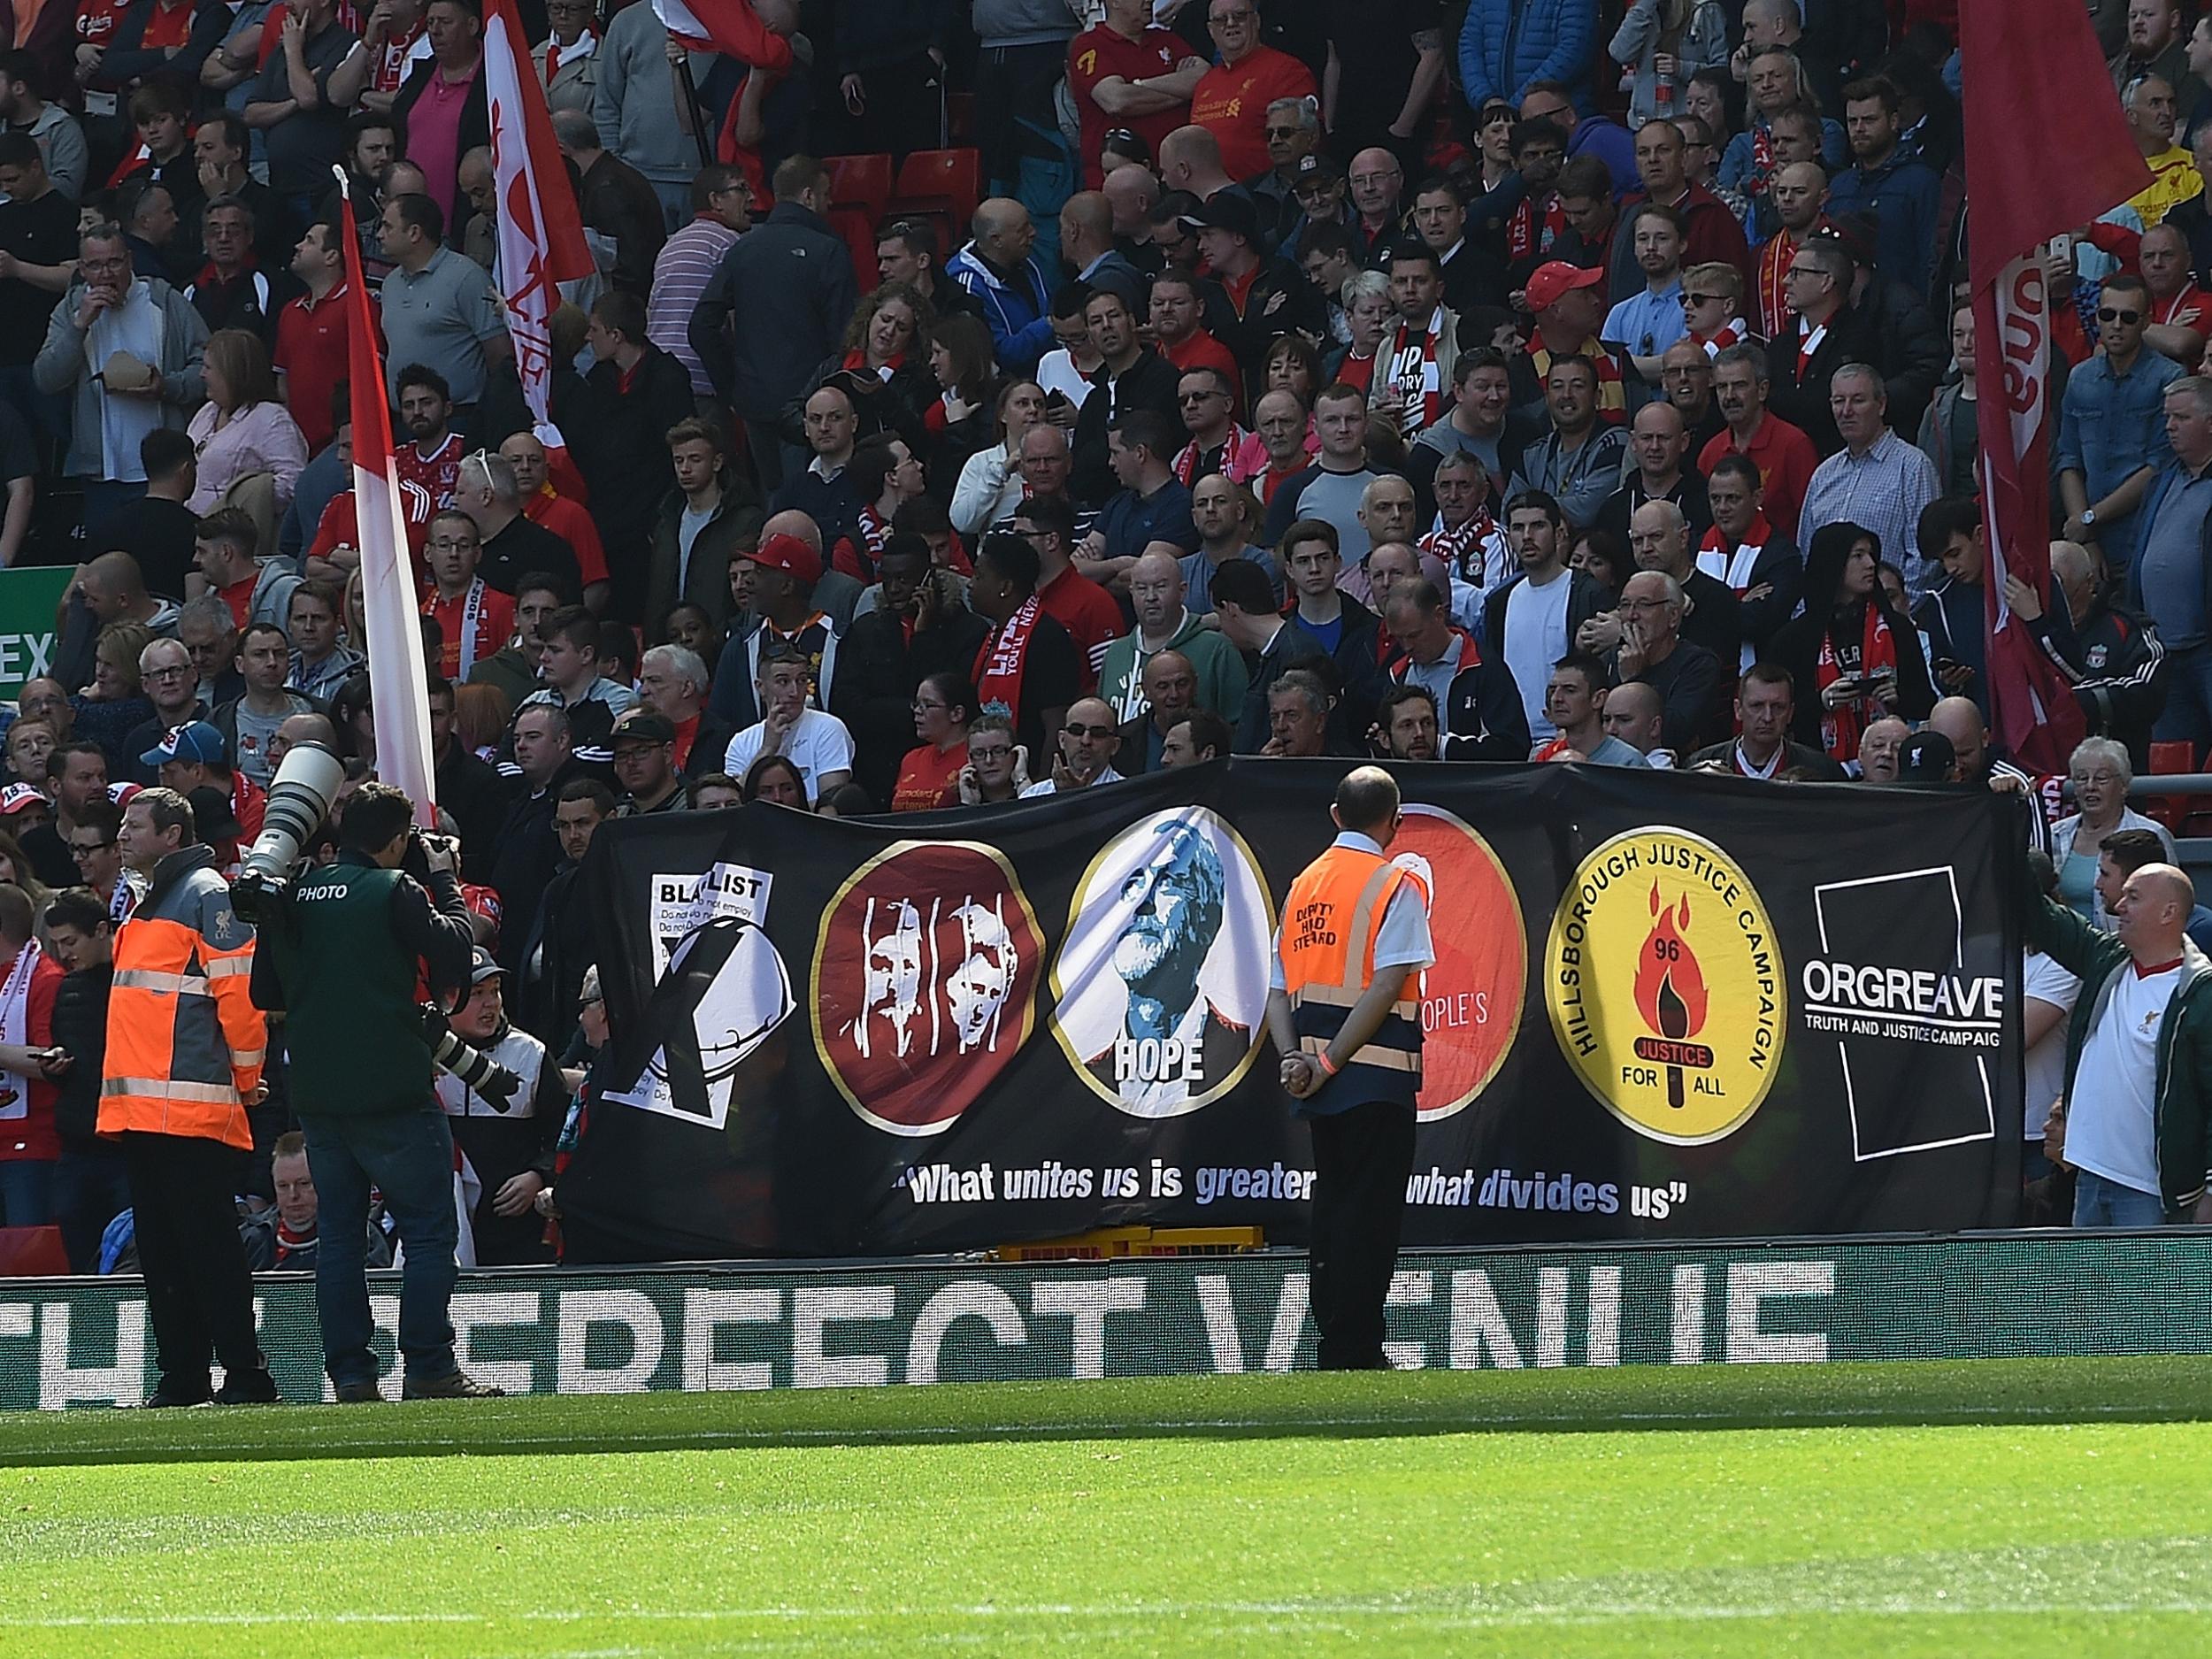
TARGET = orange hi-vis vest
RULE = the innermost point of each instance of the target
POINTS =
(1330, 923)
(185, 1041)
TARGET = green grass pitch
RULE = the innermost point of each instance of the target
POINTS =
(2019, 1509)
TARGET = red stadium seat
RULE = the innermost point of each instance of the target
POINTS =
(943, 185)
(859, 187)
(2175, 811)
(32, 1253)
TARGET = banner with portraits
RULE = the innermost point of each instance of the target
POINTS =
(1662, 1006)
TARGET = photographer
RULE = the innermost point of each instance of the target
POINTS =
(341, 957)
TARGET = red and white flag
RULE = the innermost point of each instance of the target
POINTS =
(398, 682)
(731, 27)
(2034, 178)
(540, 231)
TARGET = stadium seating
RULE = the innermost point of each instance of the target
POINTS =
(944, 187)
(859, 187)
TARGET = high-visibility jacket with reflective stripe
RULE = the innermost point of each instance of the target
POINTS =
(185, 1041)
(1330, 923)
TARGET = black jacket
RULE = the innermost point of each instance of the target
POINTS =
(734, 525)
(1355, 666)
(553, 962)
(1851, 338)
(81, 1031)
(1483, 718)
(2122, 682)
(1779, 566)
(475, 131)
(1248, 333)
(1291, 647)
(1150, 383)
(1585, 599)
(627, 465)
(469, 787)
(619, 202)
(1796, 757)
(879, 671)
(1915, 349)
(525, 854)
(787, 287)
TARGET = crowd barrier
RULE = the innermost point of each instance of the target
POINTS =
(697, 1328)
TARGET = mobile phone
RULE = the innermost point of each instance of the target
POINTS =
(2063, 245)
(1056, 399)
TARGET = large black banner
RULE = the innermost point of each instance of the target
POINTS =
(1662, 1006)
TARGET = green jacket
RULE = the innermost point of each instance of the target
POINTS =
(1217, 663)
(2182, 1094)
(347, 949)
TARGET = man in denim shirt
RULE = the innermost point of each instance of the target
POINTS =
(2170, 566)
(2112, 436)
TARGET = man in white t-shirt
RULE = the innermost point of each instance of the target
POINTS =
(1529, 619)
(2139, 1062)
(817, 744)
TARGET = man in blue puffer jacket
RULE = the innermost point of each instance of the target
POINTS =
(1507, 43)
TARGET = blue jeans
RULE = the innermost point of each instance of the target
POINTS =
(2188, 710)
(2099, 1202)
(408, 1156)
(27, 1192)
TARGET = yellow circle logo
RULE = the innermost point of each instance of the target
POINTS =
(1666, 986)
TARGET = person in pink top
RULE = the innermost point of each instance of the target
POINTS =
(244, 427)
(443, 102)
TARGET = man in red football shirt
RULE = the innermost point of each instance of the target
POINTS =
(428, 468)
(1231, 99)
(1125, 72)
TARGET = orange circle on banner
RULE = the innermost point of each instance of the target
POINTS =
(1471, 999)
(925, 974)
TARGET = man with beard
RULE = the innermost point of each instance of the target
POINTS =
(1174, 1045)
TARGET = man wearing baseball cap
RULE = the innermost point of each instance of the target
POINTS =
(194, 757)
(1253, 296)
(645, 764)
(781, 575)
(1569, 305)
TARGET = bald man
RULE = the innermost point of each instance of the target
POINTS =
(1658, 469)
(1687, 676)
(1159, 595)
(1880, 746)
(1635, 714)
(2138, 1057)
(114, 590)
(1959, 720)
(1090, 739)
(1659, 537)
(2125, 683)
(999, 269)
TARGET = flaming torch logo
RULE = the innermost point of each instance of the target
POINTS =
(1671, 995)
(1664, 985)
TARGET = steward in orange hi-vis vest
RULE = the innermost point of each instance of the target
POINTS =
(1354, 937)
(183, 1063)
(1330, 920)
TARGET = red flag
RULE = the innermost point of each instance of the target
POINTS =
(726, 26)
(541, 232)
(2035, 176)
(398, 682)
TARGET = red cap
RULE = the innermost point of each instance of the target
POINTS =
(786, 552)
(1554, 279)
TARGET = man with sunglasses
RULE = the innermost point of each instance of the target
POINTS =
(2112, 427)
(1232, 100)
(1090, 739)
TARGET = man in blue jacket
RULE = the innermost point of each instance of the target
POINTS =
(998, 269)
(1898, 193)
(1505, 44)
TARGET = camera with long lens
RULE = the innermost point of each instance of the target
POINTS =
(462, 1059)
(299, 799)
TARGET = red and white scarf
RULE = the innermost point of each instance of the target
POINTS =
(1476, 553)
(1840, 729)
(557, 54)
(15, 1024)
(1243, 457)
(1000, 664)
(1734, 567)
(1412, 367)
(1525, 236)
(1726, 335)
(1808, 342)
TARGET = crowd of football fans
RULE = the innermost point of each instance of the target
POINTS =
(1563, 379)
